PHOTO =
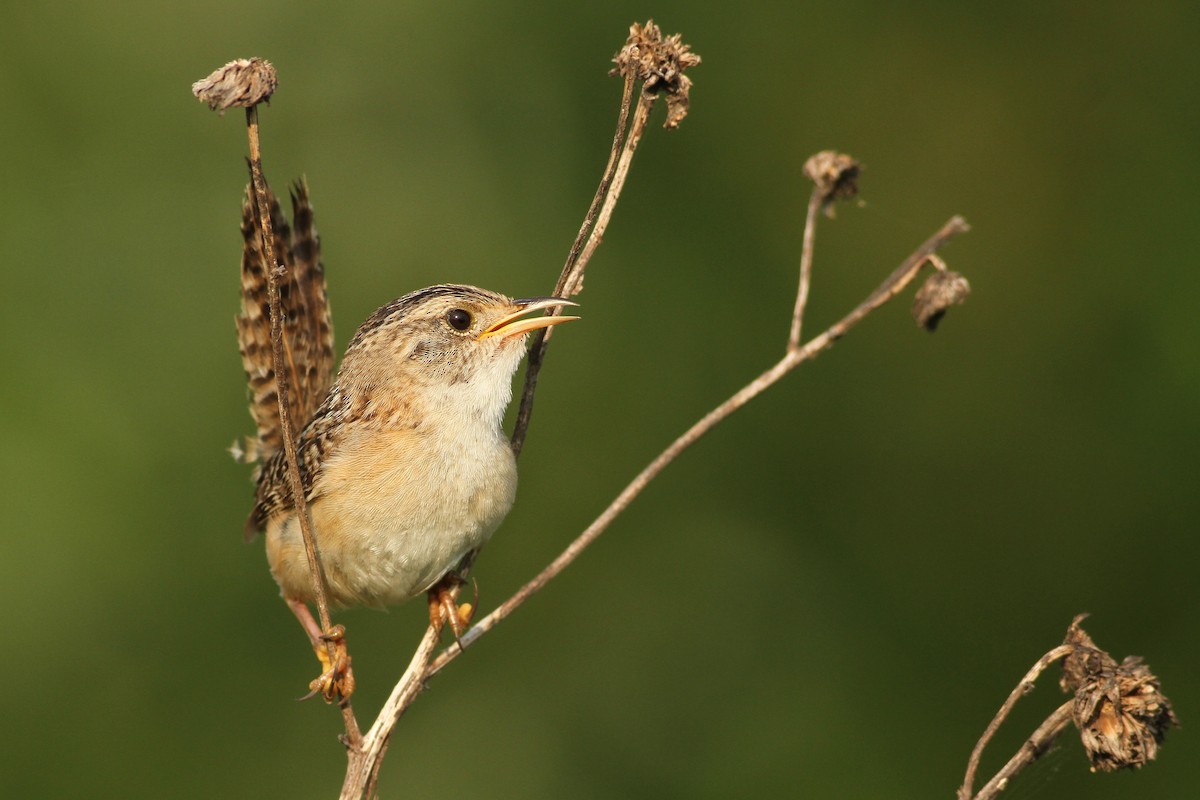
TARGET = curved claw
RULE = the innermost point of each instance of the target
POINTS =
(444, 606)
(337, 679)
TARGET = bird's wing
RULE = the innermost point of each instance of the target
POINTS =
(307, 323)
(316, 443)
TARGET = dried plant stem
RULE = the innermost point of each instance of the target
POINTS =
(895, 283)
(364, 761)
(573, 282)
(606, 179)
(1023, 688)
(362, 772)
(595, 222)
(1030, 751)
(365, 758)
(888, 289)
(279, 360)
(815, 201)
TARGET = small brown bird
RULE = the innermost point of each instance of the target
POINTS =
(405, 466)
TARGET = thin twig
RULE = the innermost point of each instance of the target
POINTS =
(1023, 688)
(895, 283)
(574, 264)
(815, 201)
(573, 282)
(362, 771)
(1030, 751)
(589, 219)
(659, 63)
(364, 762)
(274, 271)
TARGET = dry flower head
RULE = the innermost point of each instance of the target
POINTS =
(940, 291)
(241, 83)
(835, 175)
(1120, 710)
(659, 63)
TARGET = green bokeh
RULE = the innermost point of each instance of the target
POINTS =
(828, 597)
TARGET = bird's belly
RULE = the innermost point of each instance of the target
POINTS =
(386, 534)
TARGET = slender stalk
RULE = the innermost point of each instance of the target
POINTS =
(362, 772)
(275, 271)
(573, 281)
(895, 283)
(1023, 688)
(606, 179)
(364, 761)
(571, 278)
(806, 256)
(1030, 751)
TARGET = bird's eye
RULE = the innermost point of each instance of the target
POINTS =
(459, 319)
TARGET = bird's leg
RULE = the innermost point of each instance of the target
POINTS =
(444, 606)
(336, 678)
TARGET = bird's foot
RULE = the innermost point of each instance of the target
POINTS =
(337, 679)
(445, 608)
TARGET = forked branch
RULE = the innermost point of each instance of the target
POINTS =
(421, 669)
(658, 62)
(894, 284)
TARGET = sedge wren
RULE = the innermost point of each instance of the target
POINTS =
(405, 466)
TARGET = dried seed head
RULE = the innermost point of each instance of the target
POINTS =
(940, 291)
(1120, 710)
(835, 175)
(242, 83)
(659, 63)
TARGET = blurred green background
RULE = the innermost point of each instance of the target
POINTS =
(828, 597)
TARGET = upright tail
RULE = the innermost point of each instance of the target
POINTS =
(307, 323)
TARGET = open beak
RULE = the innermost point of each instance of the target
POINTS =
(513, 324)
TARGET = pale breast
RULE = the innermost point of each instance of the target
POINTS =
(397, 509)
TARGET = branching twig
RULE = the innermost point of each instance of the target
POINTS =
(1023, 688)
(362, 771)
(1032, 749)
(570, 282)
(573, 266)
(421, 669)
(895, 283)
(659, 62)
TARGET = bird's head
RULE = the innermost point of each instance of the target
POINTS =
(450, 343)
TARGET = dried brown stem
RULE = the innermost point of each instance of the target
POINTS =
(618, 144)
(571, 278)
(895, 283)
(365, 760)
(274, 272)
(573, 281)
(362, 771)
(1030, 751)
(1023, 688)
(815, 201)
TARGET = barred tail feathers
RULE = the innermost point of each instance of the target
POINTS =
(307, 323)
